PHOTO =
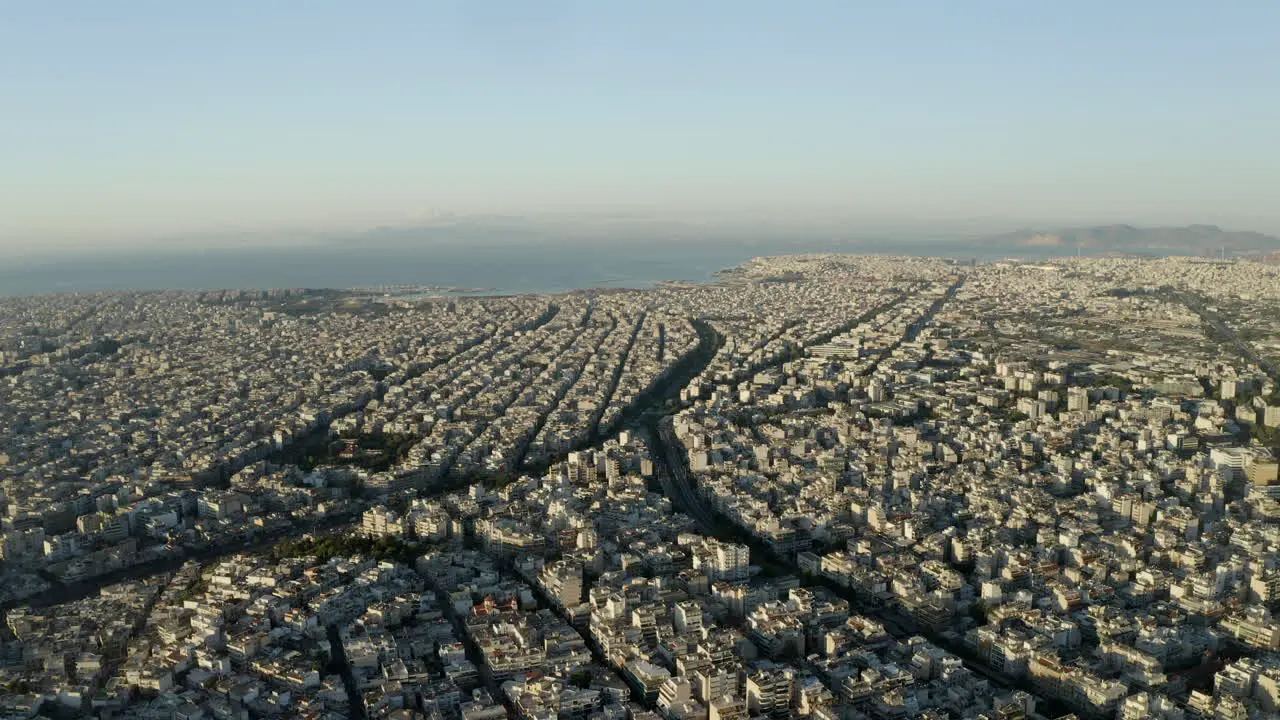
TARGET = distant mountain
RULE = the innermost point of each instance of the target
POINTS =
(1192, 239)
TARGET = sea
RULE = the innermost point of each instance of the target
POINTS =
(488, 267)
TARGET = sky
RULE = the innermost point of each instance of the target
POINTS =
(138, 119)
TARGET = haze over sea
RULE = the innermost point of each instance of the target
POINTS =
(503, 267)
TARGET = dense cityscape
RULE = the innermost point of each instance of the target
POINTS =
(822, 486)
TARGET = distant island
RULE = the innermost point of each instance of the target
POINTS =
(1192, 239)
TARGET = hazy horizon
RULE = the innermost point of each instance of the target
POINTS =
(528, 263)
(565, 229)
(149, 122)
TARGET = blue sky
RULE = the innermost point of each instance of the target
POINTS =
(127, 119)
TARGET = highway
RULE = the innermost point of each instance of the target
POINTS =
(340, 663)
(680, 486)
(1197, 305)
(913, 331)
(651, 404)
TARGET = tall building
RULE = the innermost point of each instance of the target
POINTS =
(1231, 461)
(1077, 399)
(715, 682)
(687, 616)
(674, 691)
(769, 691)
(727, 707)
(732, 562)
(646, 678)
(1263, 472)
(563, 582)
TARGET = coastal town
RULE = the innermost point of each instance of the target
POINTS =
(839, 487)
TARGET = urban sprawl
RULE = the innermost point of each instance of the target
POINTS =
(821, 486)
